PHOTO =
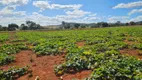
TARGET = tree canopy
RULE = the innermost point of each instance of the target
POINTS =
(12, 27)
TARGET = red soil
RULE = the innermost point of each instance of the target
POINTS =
(43, 67)
(79, 76)
(80, 44)
(129, 42)
(131, 52)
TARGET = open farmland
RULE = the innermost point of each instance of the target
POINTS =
(93, 54)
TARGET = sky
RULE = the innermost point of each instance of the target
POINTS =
(53, 12)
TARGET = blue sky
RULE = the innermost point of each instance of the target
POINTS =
(53, 12)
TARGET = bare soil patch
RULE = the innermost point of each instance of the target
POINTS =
(78, 76)
(129, 42)
(80, 44)
(43, 66)
(40, 66)
(131, 52)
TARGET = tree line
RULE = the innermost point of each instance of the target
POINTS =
(67, 25)
(29, 25)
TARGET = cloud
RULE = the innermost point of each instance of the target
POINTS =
(73, 13)
(8, 11)
(128, 5)
(47, 20)
(46, 5)
(72, 16)
(13, 2)
(135, 11)
(118, 18)
(92, 15)
(91, 19)
(77, 13)
(7, 20)
(138, 18)
(41, 19)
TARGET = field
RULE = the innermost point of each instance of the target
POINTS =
(113, 53)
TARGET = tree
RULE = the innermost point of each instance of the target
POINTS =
(12, 27)
(105, 24)
(4, 28)
(0, 27)
(76, 25)
(67, 26)
(32, 25)
(127, 24)
(99, 24)
(63, 24)
(118, 23)
(24, 27)
(102, 24)
(83, 26)
(140, 22)
(132, 23)
(38, 26)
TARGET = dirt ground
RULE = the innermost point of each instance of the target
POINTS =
(80, 44)
(129, 42)
(131, 52)
(43, 66)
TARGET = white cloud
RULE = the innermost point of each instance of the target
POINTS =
(7, 20)
(13, 2)
(77, 13)
(129, 5)
(118, 18)
(92, 15)
(135, 11)
(138, 18)
(47, 20)
(58, 6)
(72, 13)
(41, 19)
(8, 11)
(91, 18)
(46, 5)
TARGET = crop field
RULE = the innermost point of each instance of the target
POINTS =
(113, 53)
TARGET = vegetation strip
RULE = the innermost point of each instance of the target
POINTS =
(99, 52)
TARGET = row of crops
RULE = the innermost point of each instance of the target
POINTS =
(100, 54)
(6, 52)
(3, 37)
